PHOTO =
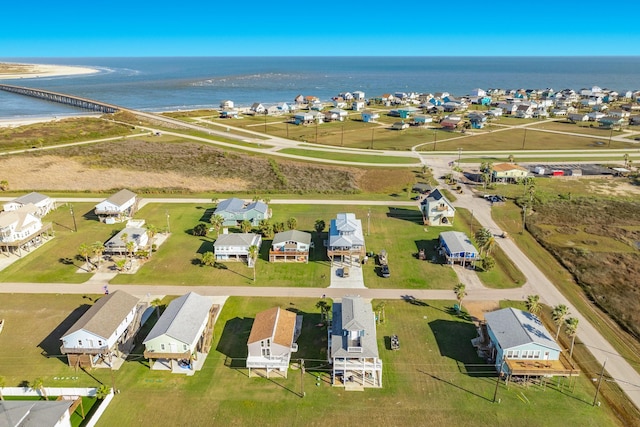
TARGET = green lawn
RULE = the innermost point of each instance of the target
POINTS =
(350, 157)
(435, 372)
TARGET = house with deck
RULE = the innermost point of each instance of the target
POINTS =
(353, 346)
(44, 204)
(518, 343)
(346, 240)
(132, 238)
(437, 209)
(235, 247)
(181, 339)
(290, 246)
(456, 247)
(105, 330)
(22, 229)
(235, 210)
(117, 208)
(509, 172)
(36, 413)
(369, 116)
(272, 340)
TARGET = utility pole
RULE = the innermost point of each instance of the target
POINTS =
(435, 139)
(368, 221)
(75, 226)
(524, 218)
(610, 136)
(373, 130)
(302, 378)
(459, 154)
(342, 137)
(168, 225)
(525, 138)
(595, 398)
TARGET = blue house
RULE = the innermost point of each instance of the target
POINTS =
(234, 211)
(369, 116)
(457, 247)
(519, 342)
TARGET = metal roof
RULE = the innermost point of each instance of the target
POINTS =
(457, 241)
(513, 328)
(292, 235)
(353, 314)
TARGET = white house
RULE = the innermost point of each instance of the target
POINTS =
(352, 345)
(235, 246)
(117, 208)
(22, 229)
(257, 108)
(437, 209)
(291, 245)
(455, 246)
(135, 234)
(40, 201)
(346, 239)
(272, 340)
(226, 104)
(358, 95)
(181, 339)
(108, 327)
(35, 413)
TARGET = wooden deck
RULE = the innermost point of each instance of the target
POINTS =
(560, 367)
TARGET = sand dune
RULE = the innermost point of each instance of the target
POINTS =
(31, 71)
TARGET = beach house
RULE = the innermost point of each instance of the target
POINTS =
(437, 209)
(104, 331)
(456, 247)
(235, 210)
(272, 340)
(181, 339)
(346, 240)
(235, 247)
(352, 345)
(44, 204)
(131, 239)
(117, 208)
(291, 245)
(22, 229)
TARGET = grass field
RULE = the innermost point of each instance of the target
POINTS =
(350, 157)
(435, 372)
(399, 230)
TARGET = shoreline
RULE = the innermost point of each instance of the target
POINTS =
(17, 71)
(24, 121)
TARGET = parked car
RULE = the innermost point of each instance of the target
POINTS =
(345, 271)
(384, 270)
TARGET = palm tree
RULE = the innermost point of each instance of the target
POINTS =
(84, 250)
(482, 236)
(216, 222)
(559, 313)
(380, 310)
(245, 226)
(98, 249)
(130, 245)
(292, 223)
(152, 230)
(571, 328)
(320, 225)
(324, 309)
(253, 256)
(2, 384)
(38, 385)
(124, 238)
(4, 185)
(533, 304)
(489, 244)
(157, 303)
(461, 292)
(102, 392)
(278, 227)
(266, 228)
(209, 258)
(215, 200)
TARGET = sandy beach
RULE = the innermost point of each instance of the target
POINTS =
(9, 70)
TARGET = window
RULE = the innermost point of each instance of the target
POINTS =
(100, 343)
(80, 342)
(266, 352)
(536, 354)
(161, 346)
(184, 346)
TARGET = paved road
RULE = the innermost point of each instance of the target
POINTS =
(537, 283)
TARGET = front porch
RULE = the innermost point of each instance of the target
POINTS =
(362, 372)
(28, 243)
(289, 256)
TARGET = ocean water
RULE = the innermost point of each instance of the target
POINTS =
(161, 84)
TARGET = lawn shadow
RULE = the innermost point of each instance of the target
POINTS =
(456, 385)
(205, 246)
(207, 214)
(411, 215)
(233, 341)
(430, 248)
(454, 341)
(90, 215)
(50, 345)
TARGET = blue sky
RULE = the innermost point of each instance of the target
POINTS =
(262, 28)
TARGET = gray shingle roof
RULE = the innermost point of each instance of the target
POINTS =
(30, 413)
(292, 235)
(121, 197)
(514, 328)
(235, 239)
(30, 198)
(106, 314)
(182, 318)
(457, 241)
(353, 314)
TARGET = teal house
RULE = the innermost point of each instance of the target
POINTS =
(234, 211)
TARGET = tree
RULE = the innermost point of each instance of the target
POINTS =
(571, 327)
(380, 310)
(2, 384)
(200, 230)
(38, 385)
(98, 249)
(253, 256)
(626, 161)
(245, 226)
(482, 235)
(4, 185)
(278, 227)
(488, 263)
(84, 250)
(102, 392)
(266, 228)
(130, 245)
(152, 230)
(461, 292)
(511, 158)
(533, 304)
(324, 309)
(292, 223)
(157, 303)
(489, 244)
(559, 313)
(215, 200)
(320, 225)
(209, 258)
(120, 263)
(216, 222)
